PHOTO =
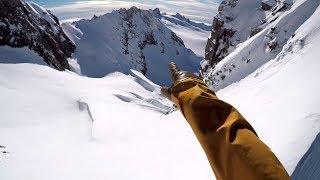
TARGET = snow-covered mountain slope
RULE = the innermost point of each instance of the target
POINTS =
(59, 125)
(129, 39)
(272, 42)
(194, 34)
(238, 20)
(308, 166)
(281, 101)
(29, 26)
(277, 89)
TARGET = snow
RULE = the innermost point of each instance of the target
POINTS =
(308, 166)
(72, 32)
(59, 125)
(19, 55)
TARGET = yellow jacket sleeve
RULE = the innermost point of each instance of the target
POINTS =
(232, 146)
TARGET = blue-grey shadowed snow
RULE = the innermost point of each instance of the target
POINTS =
(153, 103)
(309, 166)
(10, 55)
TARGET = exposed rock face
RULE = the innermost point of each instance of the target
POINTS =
(28, 25)
(131, 34)
(220, 42)
(238, 20)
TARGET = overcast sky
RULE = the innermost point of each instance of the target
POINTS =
(199, 10)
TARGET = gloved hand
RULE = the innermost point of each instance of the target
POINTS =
(178, 76)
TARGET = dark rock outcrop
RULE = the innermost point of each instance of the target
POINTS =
(265, 6)
(28, 25)
(219, 43)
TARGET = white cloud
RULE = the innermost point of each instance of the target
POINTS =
(199, 10)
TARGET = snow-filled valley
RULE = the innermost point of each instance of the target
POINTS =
(66, 125)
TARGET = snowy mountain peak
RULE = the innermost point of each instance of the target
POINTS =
(129, 39)
(29, 25)
(157, 12)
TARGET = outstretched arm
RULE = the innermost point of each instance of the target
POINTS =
(229, 141)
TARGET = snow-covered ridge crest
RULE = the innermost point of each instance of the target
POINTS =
(129, 39)
(29, 25)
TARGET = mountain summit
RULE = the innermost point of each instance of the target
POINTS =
(129, 39)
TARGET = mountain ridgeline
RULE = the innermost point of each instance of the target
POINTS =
(118, 41)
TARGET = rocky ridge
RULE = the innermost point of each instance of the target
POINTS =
(237, 21)
(248, 34)
(29, 25)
